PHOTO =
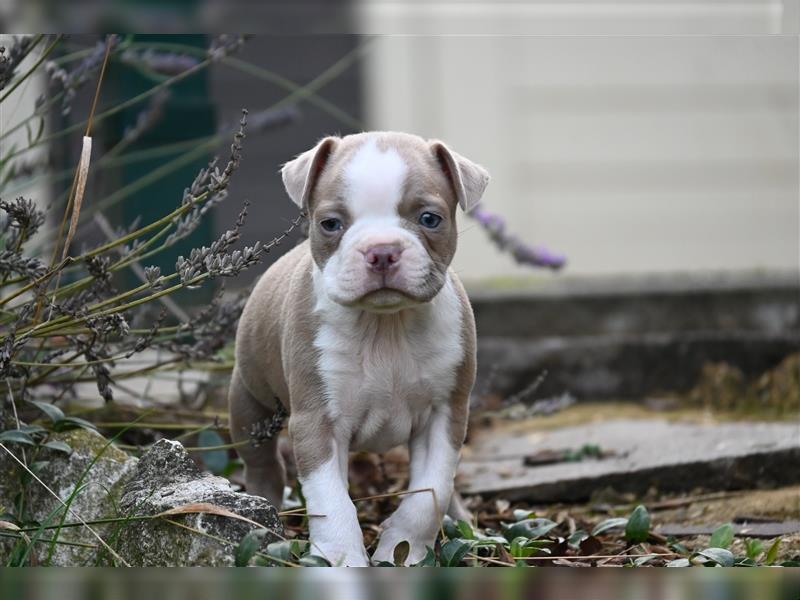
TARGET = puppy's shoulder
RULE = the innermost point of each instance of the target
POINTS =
(285, 268)
(271, 293)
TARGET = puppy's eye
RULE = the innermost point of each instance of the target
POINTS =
(430, 220)
(331, 225)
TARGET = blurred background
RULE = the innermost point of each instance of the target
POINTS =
(671, 152)
(634, 267)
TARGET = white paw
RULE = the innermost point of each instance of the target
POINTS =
(392, 536)
(341, 555)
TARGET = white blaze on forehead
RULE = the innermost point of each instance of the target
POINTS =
(374, 180)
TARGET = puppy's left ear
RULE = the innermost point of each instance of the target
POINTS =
(300, 174)
(469, 180)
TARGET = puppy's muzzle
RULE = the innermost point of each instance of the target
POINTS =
(383, 258)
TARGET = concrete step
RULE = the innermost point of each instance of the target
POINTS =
(614, 366)
(639, 454)
(766, 302)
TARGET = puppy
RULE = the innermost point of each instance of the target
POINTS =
(365, 335)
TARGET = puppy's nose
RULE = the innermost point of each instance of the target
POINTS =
(383, 257)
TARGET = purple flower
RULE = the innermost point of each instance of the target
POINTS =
(535, 256)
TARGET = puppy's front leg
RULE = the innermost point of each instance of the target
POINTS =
(322, 470)
(434, 458)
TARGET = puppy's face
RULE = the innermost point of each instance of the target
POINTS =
(381, 212)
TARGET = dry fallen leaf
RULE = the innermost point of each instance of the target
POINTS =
(206, 508)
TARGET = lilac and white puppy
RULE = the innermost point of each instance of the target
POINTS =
(365, 335)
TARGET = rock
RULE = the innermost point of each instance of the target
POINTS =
(167, 478)
(119, 487)
(61, 472)
(639, 455)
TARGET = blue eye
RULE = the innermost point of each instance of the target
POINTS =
(430, 220)
(331, 225)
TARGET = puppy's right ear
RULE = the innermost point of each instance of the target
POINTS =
(300, 175)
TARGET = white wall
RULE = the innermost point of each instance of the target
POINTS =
(630, 154)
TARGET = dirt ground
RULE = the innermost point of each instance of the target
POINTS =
(700, 507)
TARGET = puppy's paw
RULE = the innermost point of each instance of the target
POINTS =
(392, 536)
(340, 555)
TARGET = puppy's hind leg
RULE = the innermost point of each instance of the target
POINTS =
(265, 474)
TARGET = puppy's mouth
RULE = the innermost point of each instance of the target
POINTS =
(386, 299)
(386, 294)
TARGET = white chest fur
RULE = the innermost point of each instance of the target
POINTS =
(384, 372)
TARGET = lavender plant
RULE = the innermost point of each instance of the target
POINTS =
(86, 323)
(55, 332)
(520, 251)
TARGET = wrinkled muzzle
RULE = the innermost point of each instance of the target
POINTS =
(381, 266)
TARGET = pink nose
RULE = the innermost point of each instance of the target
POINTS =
(383, 257)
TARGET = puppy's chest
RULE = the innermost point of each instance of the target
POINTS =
(382, 378)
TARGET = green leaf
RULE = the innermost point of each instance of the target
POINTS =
(489, 542)
(592, 450)
(429, 560)
(772, 553)
(521, 515)
(791, 563)
(450, 528)
(400, 553)
(15, 436)
(248, 547)
(522, 547)
(638, 527)
(679, 562)
(609, 524)
(679, 548)
(466, 530)
(262, 561)
(52, 412)
(529, 528)
(58, 446)
(753, 548)
(722, 537)
(73, 423)
(719, 556)
(33, 429)
(312, 560)
(642, 560)
(281, 550)
(454, 551)
(517, 548)
(215, 461)
(574, 541)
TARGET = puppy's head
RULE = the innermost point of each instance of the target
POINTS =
(381, 209)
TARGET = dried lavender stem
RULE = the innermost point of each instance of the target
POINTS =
(52, 326)
(102, 249)
(33, 45)
(112, 111)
